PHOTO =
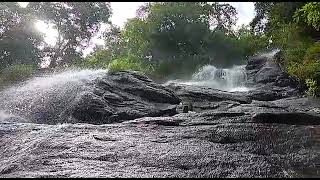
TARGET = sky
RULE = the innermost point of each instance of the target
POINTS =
(126, 10)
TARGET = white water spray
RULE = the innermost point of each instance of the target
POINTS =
(232, 79)
(46, 97)
(270, 54)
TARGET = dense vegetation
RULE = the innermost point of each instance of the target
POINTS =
(293, 27)
(172, 39)
(164, 40)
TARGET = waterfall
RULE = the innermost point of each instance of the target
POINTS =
(270, 54)
(231, 79)
(46, 97)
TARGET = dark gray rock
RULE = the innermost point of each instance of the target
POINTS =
(295, 118)
(205, 144)
(268, 78)
(107, 98)
(256, 62)
(124, 96)
(270, 92)
(268, 73)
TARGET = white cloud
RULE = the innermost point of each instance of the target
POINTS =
(122, 11)
(23, 4)
(245, 12)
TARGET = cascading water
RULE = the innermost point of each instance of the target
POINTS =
(270, 54)
(232, 79)
(48, 95)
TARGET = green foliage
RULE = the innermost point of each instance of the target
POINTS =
(18, 36)
(114, 42)
(308, 68)
(271, 15)
(129, 63)
(76, 23)
(312, 62)
(251, 43)
(294, 28)
(313, 53)
(175, 37)
(15, 73)
(181, 67)
(262, 10)
(290, 38)
(99, 59)
(173, 29)
(309, 13)
(135, 36)
(313, 88)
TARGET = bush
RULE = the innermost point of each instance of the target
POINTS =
(313, 53)
(308, 70)
(99, 59)
(15, 73)
(309, 67)
(313, 88)
(182, 67)
(129, 63)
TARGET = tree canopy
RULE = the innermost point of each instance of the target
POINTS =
(18, 36)
(76, 23)
(165, 39)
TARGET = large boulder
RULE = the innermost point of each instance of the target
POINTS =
(122, 96)
(105, 98)
(269, 79)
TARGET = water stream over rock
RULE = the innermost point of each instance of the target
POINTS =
(232, 79)
(95, 123)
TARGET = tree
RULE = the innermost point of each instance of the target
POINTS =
(309, 13)
(271, 15)
(76, 23)
(262, 10)
(167, 30)
(250, 42)
(114, 42)
(19, 40)
(308, 17)
(135, 35)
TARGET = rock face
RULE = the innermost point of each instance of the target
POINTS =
(123, 96)
(129, 126)
(237, 142)
(268, 79)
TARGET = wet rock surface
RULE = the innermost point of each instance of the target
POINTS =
(204, 144)
(112, 97)
(171, 131)
(121, 96)
(268, 78)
